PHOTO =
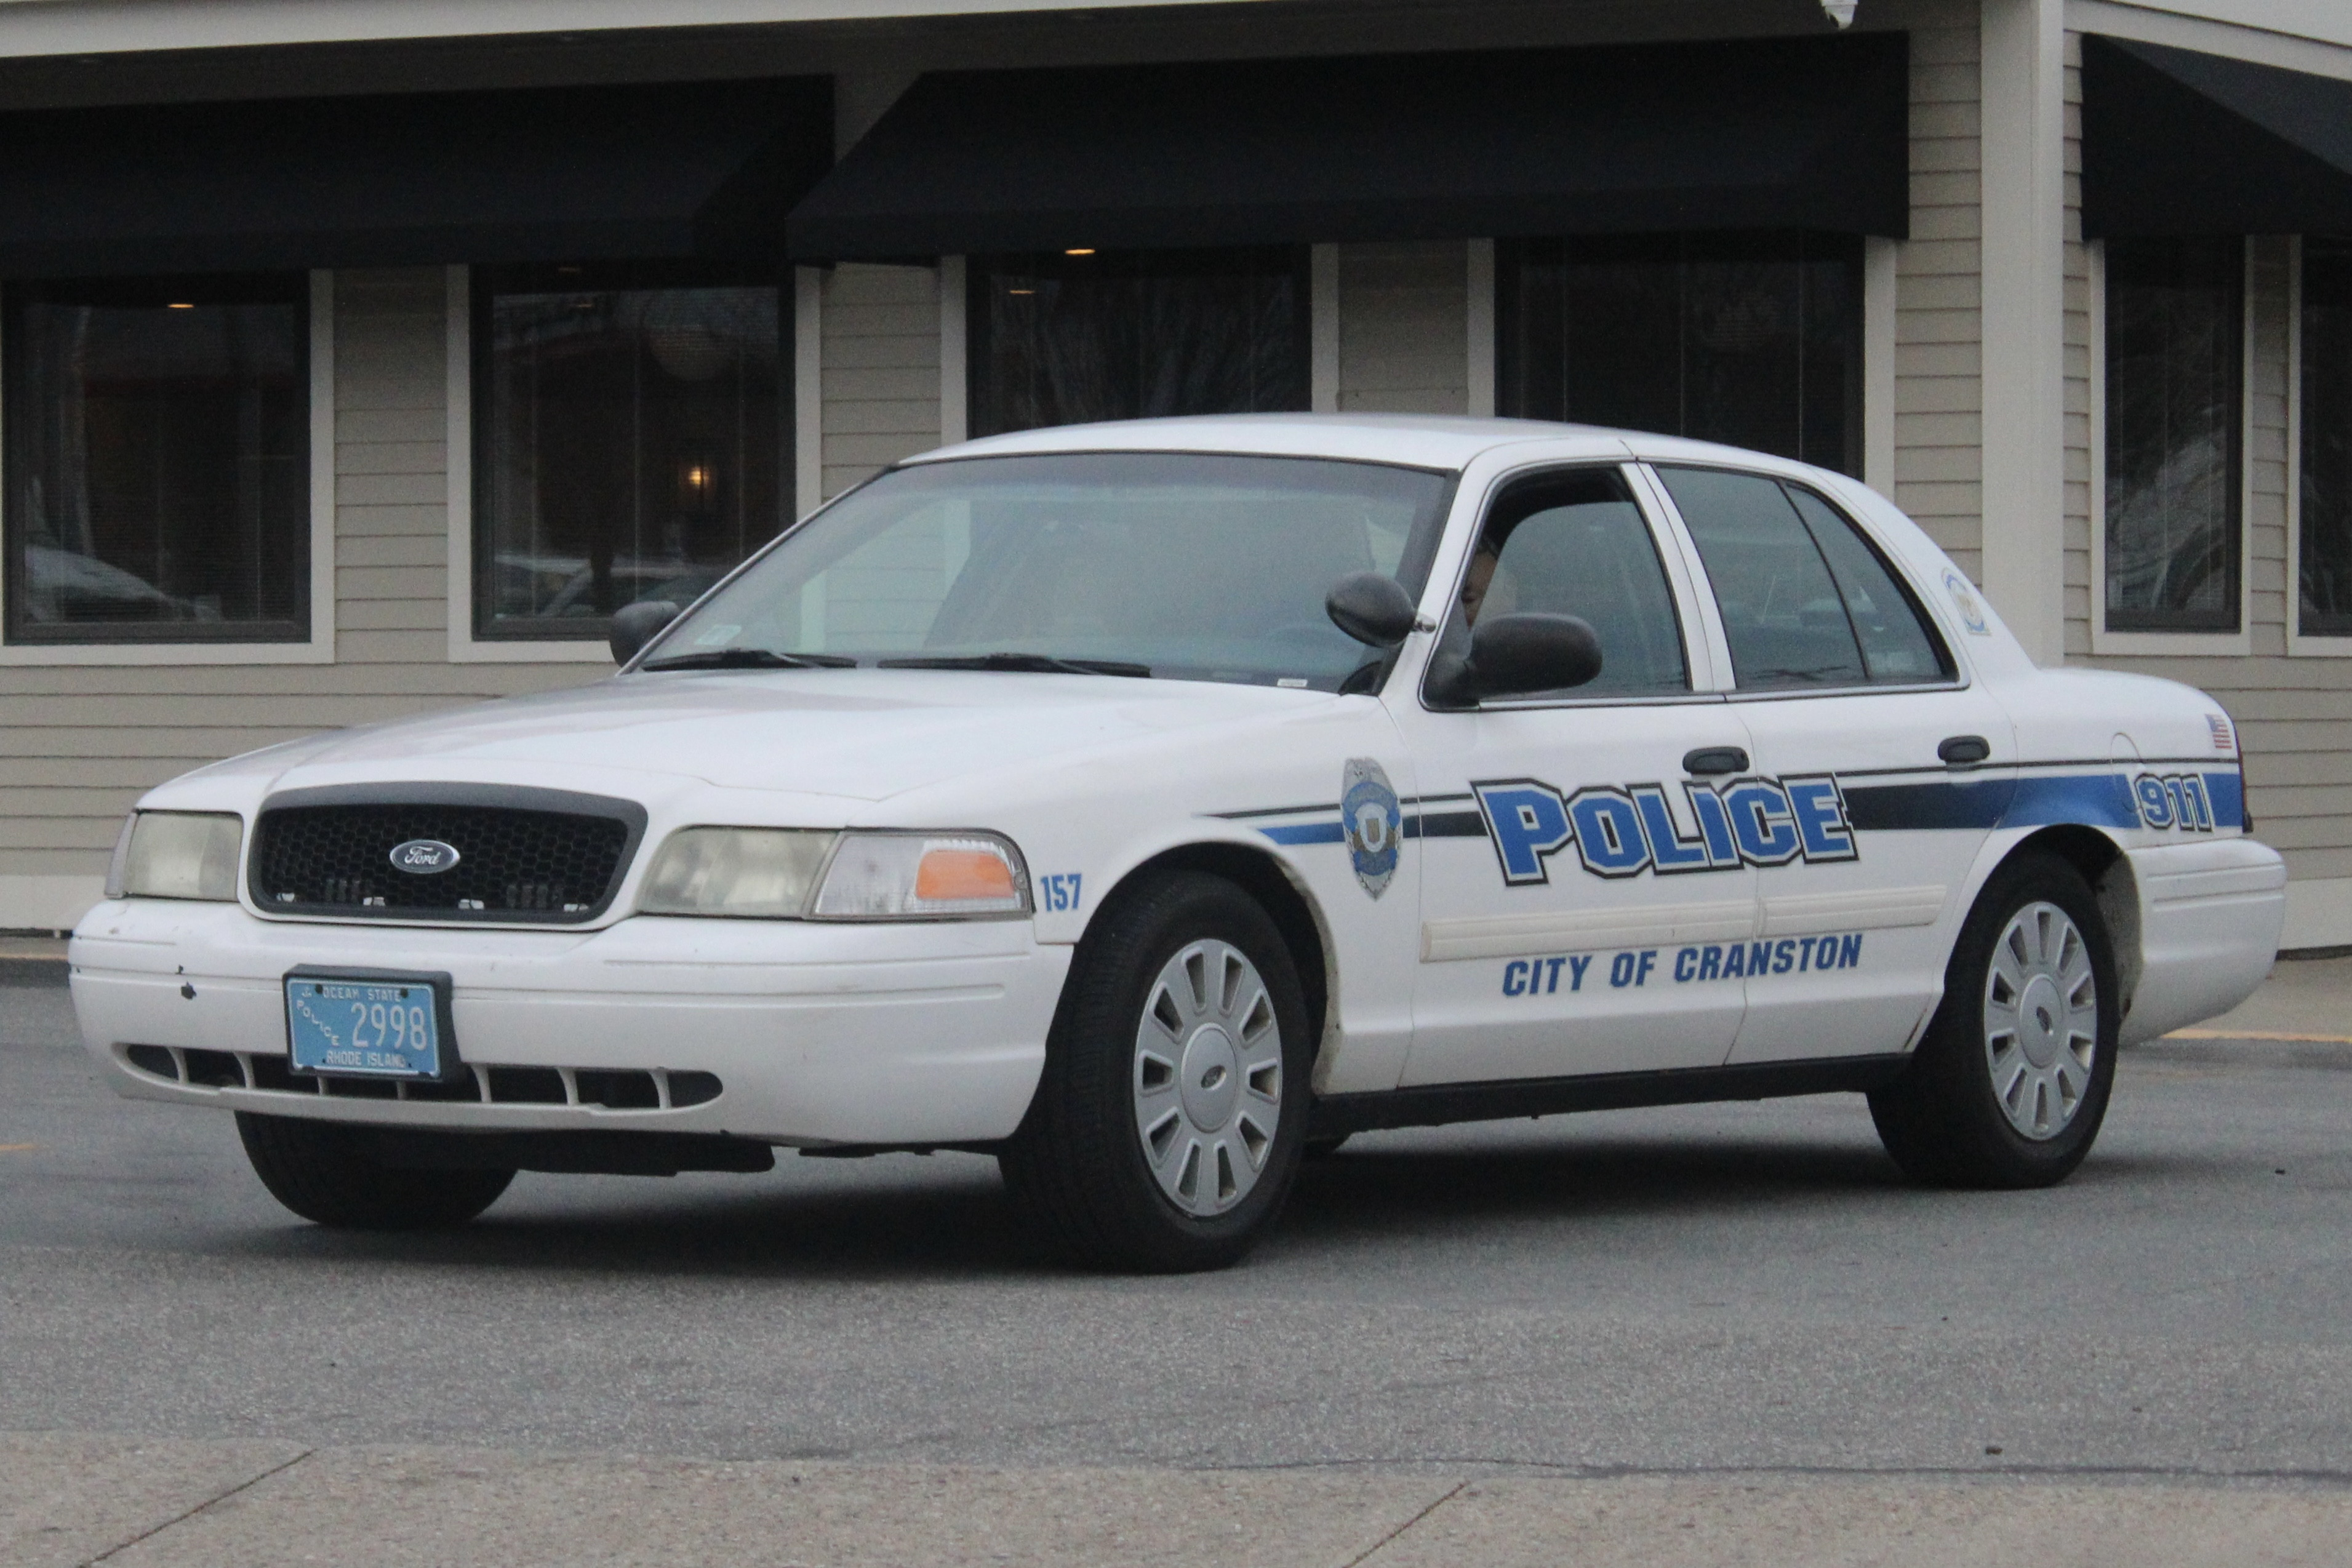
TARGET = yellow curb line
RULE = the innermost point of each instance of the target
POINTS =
(2259, 1035)
(17, 1148)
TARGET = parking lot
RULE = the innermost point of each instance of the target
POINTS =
(1713, 1313)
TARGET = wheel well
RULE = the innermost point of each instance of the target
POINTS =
(1293, 915)
(2109, 870)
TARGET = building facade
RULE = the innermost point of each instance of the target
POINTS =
(359, 356)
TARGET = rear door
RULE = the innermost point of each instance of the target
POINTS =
(1862, 835)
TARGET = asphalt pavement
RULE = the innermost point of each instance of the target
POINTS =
(1691, 1334)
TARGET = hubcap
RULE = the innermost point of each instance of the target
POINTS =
(1208, 1078)
(2041, 1020)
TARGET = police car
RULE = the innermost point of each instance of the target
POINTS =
(1152, 804)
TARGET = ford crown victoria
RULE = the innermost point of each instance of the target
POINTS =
(1152, 804)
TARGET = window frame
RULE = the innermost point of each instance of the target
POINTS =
(1704, 663)
(2299, 643)
(465, 433)
(319, 645)
(1939, 636)
(1506, 260)
(979, 269)
(2163, 644)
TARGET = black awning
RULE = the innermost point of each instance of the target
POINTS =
(541, 173)
(1805, 133)
(2175, 142)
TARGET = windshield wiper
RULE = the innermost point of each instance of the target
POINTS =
(750, 659)
(1020, 664)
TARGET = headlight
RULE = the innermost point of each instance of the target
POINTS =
(749, 873)
(922, 876)
(768, 873)
(177, 854)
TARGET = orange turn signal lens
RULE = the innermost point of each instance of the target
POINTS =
(947, 876)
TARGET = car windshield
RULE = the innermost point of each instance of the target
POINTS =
(1184, 565)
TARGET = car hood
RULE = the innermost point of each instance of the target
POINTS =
(858, 734)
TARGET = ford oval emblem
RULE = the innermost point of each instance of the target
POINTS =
(424, 857)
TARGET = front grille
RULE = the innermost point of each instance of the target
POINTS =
(608, 1089)
(523, 855)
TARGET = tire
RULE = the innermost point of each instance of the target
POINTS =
(2012, 1080)
(1168, 1125)
(325, 1172)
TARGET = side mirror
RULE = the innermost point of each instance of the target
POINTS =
(1514, 654)
(1372, 608)
(634, 626)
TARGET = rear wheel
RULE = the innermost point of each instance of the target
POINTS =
(325, 1172)
(1168, 1120)
(2011, 1081)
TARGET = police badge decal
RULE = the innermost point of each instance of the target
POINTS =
(1374, 824)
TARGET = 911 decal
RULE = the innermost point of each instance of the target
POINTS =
(1624, 831)
(2174, 800)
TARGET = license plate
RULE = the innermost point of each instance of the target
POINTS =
(368, 1024)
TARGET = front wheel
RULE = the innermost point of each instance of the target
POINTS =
(1168, 1118)
(325, 1172)
(2010, 1083)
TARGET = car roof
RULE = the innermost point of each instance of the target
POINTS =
(1417, 440)
(1427, 441)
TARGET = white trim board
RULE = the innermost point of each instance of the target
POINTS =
(1880, 322)
(1484, 390)
(1323, 329)
(2318, 913)
(955, 352)
(320, 648)
(44, 901)
(2239, 643)
(808, 390)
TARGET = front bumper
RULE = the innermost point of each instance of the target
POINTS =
(916, 1033)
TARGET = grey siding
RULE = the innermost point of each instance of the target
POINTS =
(1404, 328)
(1940, 330)
(881, 378)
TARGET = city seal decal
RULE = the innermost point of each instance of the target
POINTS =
(1964, 600)
(424, 857)
(1372, 821)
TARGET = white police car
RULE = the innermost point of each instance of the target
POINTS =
(1149, 804)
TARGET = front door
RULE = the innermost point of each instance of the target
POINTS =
(1564, 864)
(1867, 834)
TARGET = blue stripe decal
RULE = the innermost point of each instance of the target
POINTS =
(2099, 800)
(2228, 795)
(1964, 803)
(1306, 833)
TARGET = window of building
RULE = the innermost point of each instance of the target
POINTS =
(2175, 366)
(158, 460)
(1805, 601)
(1751, 340)
(631, 440)
(1071, 338)
(2324, 572)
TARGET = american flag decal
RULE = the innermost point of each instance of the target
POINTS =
(2223, 739)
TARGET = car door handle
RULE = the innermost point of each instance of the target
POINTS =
(1708, 761)
(1959, 750)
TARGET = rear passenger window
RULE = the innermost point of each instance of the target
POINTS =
(1576, 545)
(1805, 600)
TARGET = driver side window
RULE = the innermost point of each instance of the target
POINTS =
(1576, 544)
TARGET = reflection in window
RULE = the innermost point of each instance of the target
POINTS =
(159, 483)
(630, 437)
(1575, 544)
(1751, 340)
(2175, 314)
(1198, 566)
(1805, 601)
(2326, 570)
(1067, 338)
